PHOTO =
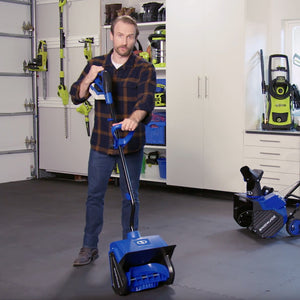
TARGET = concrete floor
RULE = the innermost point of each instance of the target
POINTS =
(41, 225)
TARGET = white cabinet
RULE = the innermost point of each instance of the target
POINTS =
(278, 155)
(205, 92)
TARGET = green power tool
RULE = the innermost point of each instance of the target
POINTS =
(87, 50)
(40, 64)
(85, 109)
(86, 106)
(278, 111)
(62, 92)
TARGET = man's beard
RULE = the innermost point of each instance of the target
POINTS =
(126, 53)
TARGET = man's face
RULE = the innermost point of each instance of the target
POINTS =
(123, 38)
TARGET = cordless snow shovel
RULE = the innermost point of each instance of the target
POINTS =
(137, 263)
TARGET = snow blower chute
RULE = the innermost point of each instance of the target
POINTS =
(277, 115)
(261, 210)
(137, 263)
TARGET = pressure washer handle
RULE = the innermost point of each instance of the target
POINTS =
(120, 142)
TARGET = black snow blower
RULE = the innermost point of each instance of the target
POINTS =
(137, 263)
(278, 106)
(263, 211)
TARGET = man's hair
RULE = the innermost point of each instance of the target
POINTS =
(125, 19)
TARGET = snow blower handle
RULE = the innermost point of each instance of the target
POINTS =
(120, 142)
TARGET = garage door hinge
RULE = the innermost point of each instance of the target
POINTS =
(29, 105)
(30, 143)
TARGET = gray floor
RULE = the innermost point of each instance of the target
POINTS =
(41, 224)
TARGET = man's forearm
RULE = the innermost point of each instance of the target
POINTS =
(138, 115)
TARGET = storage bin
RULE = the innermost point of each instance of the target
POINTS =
(156, 133)
(162, 164)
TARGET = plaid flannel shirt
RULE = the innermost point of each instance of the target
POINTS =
(133, 88)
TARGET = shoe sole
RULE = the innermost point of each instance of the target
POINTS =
(94, 257)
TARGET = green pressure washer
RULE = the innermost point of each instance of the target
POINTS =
(278, 106)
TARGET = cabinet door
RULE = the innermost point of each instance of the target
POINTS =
(205, 91)
(223, 112)
(184, 93)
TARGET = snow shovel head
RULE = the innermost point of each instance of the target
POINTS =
(139, 263)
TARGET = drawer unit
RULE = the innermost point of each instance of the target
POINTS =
(264, 153)
(278, 166)
(272, 140)
(277, 155)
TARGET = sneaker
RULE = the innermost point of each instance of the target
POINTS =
(85, 256)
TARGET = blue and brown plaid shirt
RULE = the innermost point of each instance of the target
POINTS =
(133, 88)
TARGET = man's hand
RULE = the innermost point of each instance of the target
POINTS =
(89, 78)
(131, 123)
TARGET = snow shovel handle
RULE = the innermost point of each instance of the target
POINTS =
(120, 142)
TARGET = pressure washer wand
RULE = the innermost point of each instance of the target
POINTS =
(263, 85)
(63, 92)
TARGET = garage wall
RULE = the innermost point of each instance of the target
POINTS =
(81, 20)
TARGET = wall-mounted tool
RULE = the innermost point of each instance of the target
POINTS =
(63, 92)
(40, 64)
(87, 50)
(85, 109)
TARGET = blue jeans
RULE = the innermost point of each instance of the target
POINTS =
(99, 171)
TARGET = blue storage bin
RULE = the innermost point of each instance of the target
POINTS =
(162, 164)
(156, 133)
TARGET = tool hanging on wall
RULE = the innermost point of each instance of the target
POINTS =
(63, 92)
(86, 107)
(87, 50)
(40, 64)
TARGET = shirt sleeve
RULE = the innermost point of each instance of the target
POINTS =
(146, 90)
(74, 91)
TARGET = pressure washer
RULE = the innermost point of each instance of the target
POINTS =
(263, 211)
(277, 114)
(137, 263)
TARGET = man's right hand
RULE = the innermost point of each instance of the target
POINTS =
(89, 78)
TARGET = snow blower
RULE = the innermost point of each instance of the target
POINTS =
(137, 263)
(263, 211)
(277, 115)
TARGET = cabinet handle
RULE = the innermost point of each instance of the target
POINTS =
(206, 87)
(269, 141)
(199, 85)
(270, 153)
(272, 178)
(270, 166)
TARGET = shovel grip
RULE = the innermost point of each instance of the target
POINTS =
(120, 142)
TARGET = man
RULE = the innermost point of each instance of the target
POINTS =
(133, 87)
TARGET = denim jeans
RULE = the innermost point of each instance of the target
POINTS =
(99, 172)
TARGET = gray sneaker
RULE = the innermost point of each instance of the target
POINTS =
(86, 256)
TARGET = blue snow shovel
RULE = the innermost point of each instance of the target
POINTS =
(136, 263)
